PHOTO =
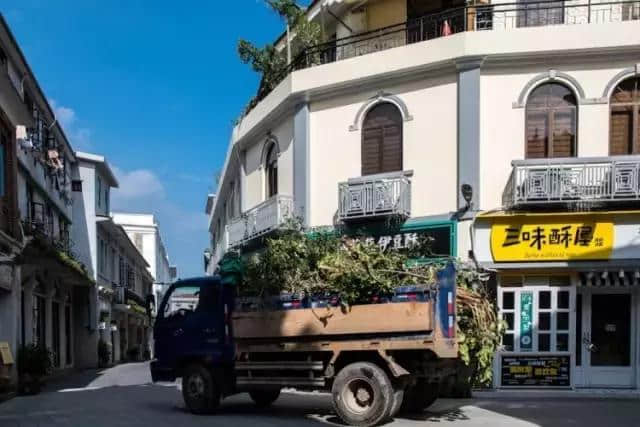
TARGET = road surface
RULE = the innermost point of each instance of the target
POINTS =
(123, 396)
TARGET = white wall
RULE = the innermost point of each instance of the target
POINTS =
(429, 146)
(84, 217)
(502, 124)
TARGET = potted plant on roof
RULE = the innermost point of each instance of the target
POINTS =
(34, 363)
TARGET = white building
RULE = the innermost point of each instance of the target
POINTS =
(119, 312)
(144, 232)
(42, 286)
(409, 102)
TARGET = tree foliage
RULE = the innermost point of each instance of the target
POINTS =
(323, 262)
(270, 62)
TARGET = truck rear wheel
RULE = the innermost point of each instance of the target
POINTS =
(264, 398)
(199, 390)
(420, 396)
(362, 394)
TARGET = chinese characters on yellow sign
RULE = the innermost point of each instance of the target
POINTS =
(522, 239)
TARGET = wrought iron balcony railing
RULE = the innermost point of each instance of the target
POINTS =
(375, 196)
(267, 216)
(587, 182)
(478, 17)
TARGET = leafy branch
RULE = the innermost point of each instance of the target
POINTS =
(270, 62)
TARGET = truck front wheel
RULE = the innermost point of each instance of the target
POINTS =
(362, 394)
(264, 398)
(199, 390)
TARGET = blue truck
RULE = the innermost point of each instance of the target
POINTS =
(375, 359)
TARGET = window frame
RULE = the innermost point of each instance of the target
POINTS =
(551, 112)
(634, 105)
(397, 120)
(538, 285)
(271, 170)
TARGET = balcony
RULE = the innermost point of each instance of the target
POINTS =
(581, 182)
(268, 216)
(478, 17)
(375, 196)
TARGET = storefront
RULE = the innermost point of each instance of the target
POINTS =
(569, 291)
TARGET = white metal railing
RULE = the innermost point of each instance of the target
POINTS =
(375, 196)
(265, 217)
(595, 180)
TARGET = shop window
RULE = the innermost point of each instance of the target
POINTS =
(563, 299)
(544, 342)
(508, 315)
(562, 342)
(537, 316)
(544, 299)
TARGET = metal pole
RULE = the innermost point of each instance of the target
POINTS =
(589, 12)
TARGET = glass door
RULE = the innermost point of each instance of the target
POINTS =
(608, 339)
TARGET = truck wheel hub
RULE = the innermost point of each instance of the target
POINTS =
(358, 396)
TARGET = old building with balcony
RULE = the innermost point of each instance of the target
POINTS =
(119, 306)
(41, 278)
(144, 232)
(475, 124)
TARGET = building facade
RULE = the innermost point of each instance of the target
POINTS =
(144, 232)
(433, 113)
(42, 281)
(119, 303)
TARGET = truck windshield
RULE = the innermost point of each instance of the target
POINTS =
(187, 299)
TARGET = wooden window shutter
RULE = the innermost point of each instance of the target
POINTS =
(624, 132)
(381, 148)
(537, 135)
(564, 133)
(551, 116)
(621, 132)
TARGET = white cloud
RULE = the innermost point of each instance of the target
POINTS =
(65, 115)
(137, 184)
(184, 230)
(79, 137)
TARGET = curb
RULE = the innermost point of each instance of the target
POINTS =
(558, 394)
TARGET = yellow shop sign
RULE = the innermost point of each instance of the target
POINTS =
(547, 239)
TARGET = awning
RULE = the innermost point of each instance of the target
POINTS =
(616, 278)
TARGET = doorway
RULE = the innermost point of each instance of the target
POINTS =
(607, 349)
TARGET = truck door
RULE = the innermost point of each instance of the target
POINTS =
(190, 323)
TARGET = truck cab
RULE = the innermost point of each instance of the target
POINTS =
(192, 326)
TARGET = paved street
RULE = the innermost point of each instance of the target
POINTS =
(123, 396)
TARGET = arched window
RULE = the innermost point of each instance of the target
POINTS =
(551, 116)
(271, 169)
(624, 133)
(382, 140)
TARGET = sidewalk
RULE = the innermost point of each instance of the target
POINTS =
(508, 394)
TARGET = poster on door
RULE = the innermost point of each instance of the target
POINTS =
(536, 371)
(526, 321)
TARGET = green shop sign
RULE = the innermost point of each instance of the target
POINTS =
(526, 321)
(396, 237)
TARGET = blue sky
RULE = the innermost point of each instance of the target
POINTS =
(154, 86)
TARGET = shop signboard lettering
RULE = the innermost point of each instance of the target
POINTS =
(526, 321)
(399, 239)
(536, 371)
(549, 240)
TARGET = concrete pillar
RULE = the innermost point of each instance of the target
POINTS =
(469, 128)
(48, 321)
(301, 163)
(62, 334)
(27, 290)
